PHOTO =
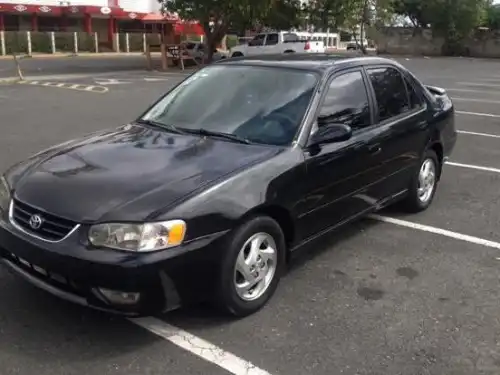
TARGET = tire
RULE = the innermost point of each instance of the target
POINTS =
(415, 202)
(289, 51)
(237, 54)
(231, 299)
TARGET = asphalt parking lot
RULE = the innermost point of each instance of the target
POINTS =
(391, 295)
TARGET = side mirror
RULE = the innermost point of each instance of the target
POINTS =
(331, 133)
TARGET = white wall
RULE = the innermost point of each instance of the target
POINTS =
(140, 6)
(100, 3)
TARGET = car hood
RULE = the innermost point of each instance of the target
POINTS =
(129, 173)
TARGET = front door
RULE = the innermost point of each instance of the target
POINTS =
(270, 44)
(340, 175)
(255, 45)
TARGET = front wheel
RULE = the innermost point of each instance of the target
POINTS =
(252, 266)
(424, 184)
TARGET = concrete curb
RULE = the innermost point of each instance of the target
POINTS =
(9, 80)
(71, 55)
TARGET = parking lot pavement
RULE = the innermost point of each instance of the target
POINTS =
(43, 335)
(376, 298)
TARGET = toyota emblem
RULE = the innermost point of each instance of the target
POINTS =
(35, 221)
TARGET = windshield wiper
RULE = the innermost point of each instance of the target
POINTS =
(211, 133)
(161, 125)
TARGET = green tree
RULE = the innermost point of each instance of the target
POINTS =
(329, 14)
(454, 20)
(217, 16)
(284, 15)
(492, 19)
(417, 11)
(367, 15)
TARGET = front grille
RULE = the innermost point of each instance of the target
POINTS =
(52, 228)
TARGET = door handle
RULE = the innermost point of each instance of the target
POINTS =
(374, 149)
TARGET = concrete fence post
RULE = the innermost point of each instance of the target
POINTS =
(144, 43)
(30, 46)
(75, 43)
(117, 42)
(96, 42)
(3, 50)
(53, 42)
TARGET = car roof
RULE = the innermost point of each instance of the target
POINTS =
(320, 62)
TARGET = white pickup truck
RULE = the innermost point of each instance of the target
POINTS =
(275, 43)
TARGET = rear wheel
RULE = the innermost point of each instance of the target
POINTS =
(252, 266)
(424, 183)
(237, 54)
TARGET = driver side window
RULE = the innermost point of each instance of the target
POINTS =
(346, 102)
(257, 41)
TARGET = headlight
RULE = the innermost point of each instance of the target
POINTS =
(4, 194)
(138, 237)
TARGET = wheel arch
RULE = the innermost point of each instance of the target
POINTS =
(281, 215)
(437, 147)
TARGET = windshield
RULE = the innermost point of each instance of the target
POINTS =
(259, 104)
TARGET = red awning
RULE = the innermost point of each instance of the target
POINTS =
(29, 9)
(185, 27)
(111, 11)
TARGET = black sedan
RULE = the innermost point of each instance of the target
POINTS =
(209, 191)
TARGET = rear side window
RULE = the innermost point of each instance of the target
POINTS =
(346, 102)
(290, 38)
(390, 92)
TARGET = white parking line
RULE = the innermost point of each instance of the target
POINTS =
(199, 347)
(471, 166)
(443, 232)
(469, 90)
(478, 84)
(477, 114)
(460, 99)
(479, 134)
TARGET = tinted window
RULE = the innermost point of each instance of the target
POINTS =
(190, 45)
(390, 91)
(416, 100)
(258, 40)
(346, 102)
(272, 39)
(263, 105)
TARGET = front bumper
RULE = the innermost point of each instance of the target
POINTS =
(71, 270)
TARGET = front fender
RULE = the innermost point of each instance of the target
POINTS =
(221, 207)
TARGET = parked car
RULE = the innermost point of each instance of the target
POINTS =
(197, 50)
(353, 45)
(209, 198)
(277, 42)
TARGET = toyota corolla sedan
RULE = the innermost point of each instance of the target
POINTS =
(208, 193)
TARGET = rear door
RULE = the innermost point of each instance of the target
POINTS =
(402, 131)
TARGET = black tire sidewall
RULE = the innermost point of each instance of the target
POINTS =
(227, 296)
